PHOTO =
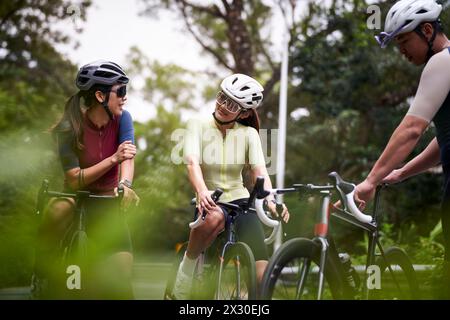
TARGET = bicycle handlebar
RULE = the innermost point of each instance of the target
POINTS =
(201, 217)
(81, 194)
(347, 191)
(259, 193)
(44, 192)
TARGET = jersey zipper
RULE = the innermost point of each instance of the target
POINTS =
(223, 166)
(100, 133)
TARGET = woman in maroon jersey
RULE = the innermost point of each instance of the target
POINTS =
(96, 148)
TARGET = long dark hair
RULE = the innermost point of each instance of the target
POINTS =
(72, 119)
(252, 120)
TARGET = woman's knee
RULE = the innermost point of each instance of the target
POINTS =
(59, 213)
(214, 221)
(122, 263)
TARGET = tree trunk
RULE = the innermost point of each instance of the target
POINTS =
(239, 39)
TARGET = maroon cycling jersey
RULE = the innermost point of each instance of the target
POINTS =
(99, 144)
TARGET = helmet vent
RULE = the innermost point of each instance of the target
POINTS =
(234, 81)
(244, 88)
(82, 80)
(103, 74)
(108, 66)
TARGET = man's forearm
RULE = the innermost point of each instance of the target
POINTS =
(428, 158)
(402, 142)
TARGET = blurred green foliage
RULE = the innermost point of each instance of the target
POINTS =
(35, 81)
(354, 94)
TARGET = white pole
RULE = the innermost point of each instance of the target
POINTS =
(281, 152)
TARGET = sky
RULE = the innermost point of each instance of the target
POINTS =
(112, 27)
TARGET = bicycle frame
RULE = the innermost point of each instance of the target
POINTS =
(80, 198)
(77, 228)
(230, 239)
(327, 244)
(230, 235)
(327, 252)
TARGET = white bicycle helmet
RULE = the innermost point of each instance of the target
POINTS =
(243, 89)
(405, 16)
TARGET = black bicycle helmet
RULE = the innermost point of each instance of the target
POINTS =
(100, 72)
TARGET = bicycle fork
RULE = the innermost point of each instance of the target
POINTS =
(231, 239)
(320, 237)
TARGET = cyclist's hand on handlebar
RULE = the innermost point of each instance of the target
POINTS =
(273, 211)
(394, 177)
(337, 204)
(125, 151)
(129, 197)
(365, 191)
(205, 202)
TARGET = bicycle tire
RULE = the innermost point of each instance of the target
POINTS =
(75, 253)
(236, 277)
(282, 280)
(402, 284)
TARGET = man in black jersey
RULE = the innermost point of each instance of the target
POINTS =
(414, 25)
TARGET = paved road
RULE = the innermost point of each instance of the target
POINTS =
(149, 280)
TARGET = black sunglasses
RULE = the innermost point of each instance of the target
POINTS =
(120, 92)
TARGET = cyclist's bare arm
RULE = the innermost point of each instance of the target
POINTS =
(125, 151)
(127, 170)
(427, 159)
(400, 145)
(198, 183)
(433, 89)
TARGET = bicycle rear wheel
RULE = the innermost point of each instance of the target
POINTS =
(398, 278)
(236, 277)
(293, 273)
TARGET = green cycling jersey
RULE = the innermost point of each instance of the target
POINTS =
(222, 158)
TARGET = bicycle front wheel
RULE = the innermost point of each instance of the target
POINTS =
(77, 251)
(397, 277)
(236, 277)
(293, 273)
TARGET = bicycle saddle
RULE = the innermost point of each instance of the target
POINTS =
(346, 187)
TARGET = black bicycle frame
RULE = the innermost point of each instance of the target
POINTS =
(326, 243)
(328, 247)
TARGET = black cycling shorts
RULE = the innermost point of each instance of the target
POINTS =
(106, 227)
(445, 212)
(249, 230)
